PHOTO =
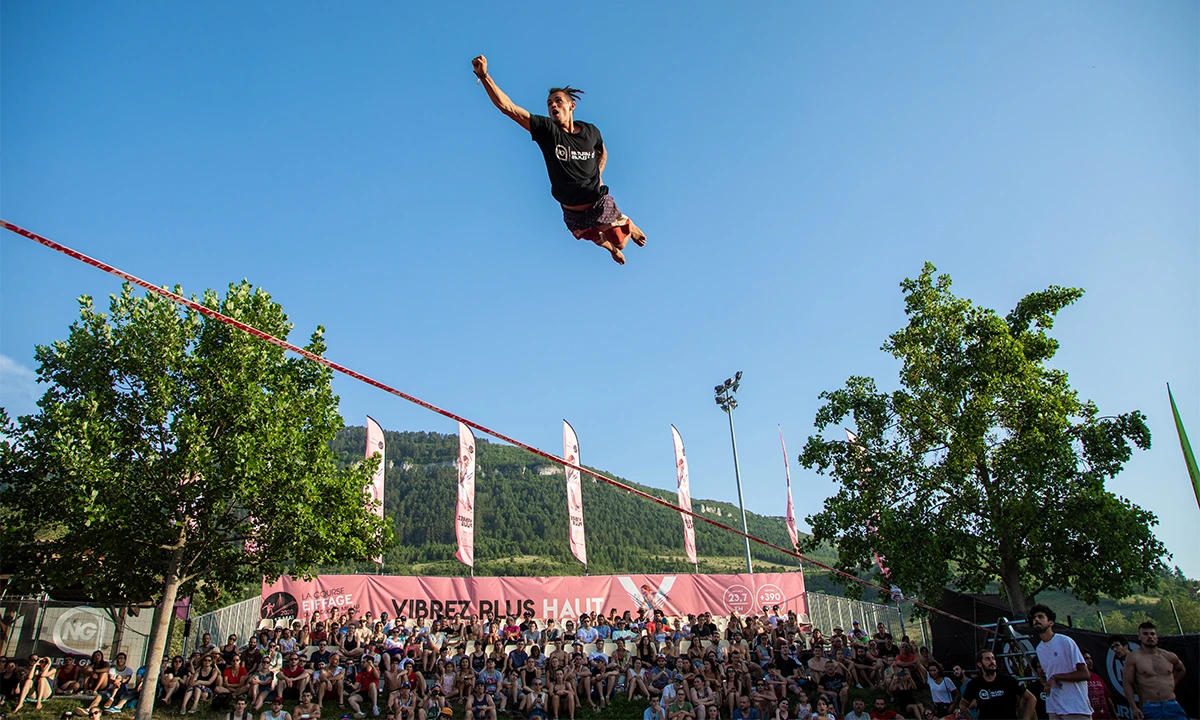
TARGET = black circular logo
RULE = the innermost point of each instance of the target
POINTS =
(278, 606)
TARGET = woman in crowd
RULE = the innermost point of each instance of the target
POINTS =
(201, 683)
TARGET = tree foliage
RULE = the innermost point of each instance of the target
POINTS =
(984, 465)
(165, 443)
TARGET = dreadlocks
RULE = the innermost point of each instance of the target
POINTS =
(569, 91)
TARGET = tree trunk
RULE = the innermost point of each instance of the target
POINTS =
(1016, 594)
(159, 635)
(119, 618)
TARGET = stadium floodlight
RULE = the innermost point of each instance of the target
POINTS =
(728, 403)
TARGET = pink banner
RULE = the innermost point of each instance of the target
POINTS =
(376, 446)
(574, 494)
(464, 520)
(546, 597)
(685, 496)
(790, 516)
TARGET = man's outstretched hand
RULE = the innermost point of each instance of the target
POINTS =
(479, 65)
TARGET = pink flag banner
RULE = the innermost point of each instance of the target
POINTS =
(464, 520)
(574, 494)
(421, 597)
(376, 446)
(685, 496)
(790, 517)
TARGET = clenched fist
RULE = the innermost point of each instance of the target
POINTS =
(479, 64)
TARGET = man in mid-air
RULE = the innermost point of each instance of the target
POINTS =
(575, 158)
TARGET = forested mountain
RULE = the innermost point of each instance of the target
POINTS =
(521, 516)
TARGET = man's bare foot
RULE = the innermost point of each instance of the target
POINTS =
(636, 234)
(618, 256)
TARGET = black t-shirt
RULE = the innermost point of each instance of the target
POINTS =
(997, 699)
(571, 160)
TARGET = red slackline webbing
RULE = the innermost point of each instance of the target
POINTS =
(210, 313)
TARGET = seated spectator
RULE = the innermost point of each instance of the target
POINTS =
(276, 711)
(655, 711)
(307, 709)
(823, 710)
(10, 682)
(38, 679)
(95, 676)
(744, 711)
(882, 711)
(120, 684)
(235, 678)
(201, 683)
(67, 682)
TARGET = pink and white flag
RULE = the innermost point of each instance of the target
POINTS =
(574, 494)
(790, 517)
(376, 446)
(464, 520)
(685, 496)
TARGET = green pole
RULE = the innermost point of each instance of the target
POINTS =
(1188, 457)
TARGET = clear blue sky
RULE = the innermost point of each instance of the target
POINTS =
(791, 164)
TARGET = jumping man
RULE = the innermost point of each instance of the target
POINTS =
(575, 158)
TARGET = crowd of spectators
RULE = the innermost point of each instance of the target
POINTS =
(771, 666)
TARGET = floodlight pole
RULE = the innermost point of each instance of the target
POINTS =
(725, 397)
(741, 503)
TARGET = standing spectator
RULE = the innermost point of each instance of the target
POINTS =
(994, 696)
(1065, 671)
(1153, 673)
(942, 692)
(1102, 705)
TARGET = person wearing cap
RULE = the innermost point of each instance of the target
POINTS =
(276, 711)
(403, 704)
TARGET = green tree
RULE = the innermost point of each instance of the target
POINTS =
(984, 465)
(174, 454)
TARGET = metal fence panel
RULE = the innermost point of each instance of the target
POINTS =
(57, 629)
(240, 619)
(826, 612)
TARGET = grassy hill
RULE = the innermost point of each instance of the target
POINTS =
(521, 516)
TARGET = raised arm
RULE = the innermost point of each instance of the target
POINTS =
(502, 102)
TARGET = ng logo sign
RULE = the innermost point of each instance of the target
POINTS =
(79, 631)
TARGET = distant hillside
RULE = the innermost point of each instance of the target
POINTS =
(521, 516)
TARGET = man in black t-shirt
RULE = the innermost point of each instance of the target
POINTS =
(575, 157)
(996, 696)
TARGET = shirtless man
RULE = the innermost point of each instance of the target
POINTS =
(575, 157)
(1153, 674)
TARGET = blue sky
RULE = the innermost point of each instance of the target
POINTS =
(791, 164)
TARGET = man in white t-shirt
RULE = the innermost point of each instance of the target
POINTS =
(1065, 671)
(587, 634)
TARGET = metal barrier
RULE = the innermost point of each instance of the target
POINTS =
(1012, 648)
(56, 629)
(241, 619)
(826, 612)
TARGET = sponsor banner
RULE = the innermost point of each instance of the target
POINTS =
(376, 446)
(790, 517)
(685, 497)
(464, 517)
(546, 597)
(574, 494)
